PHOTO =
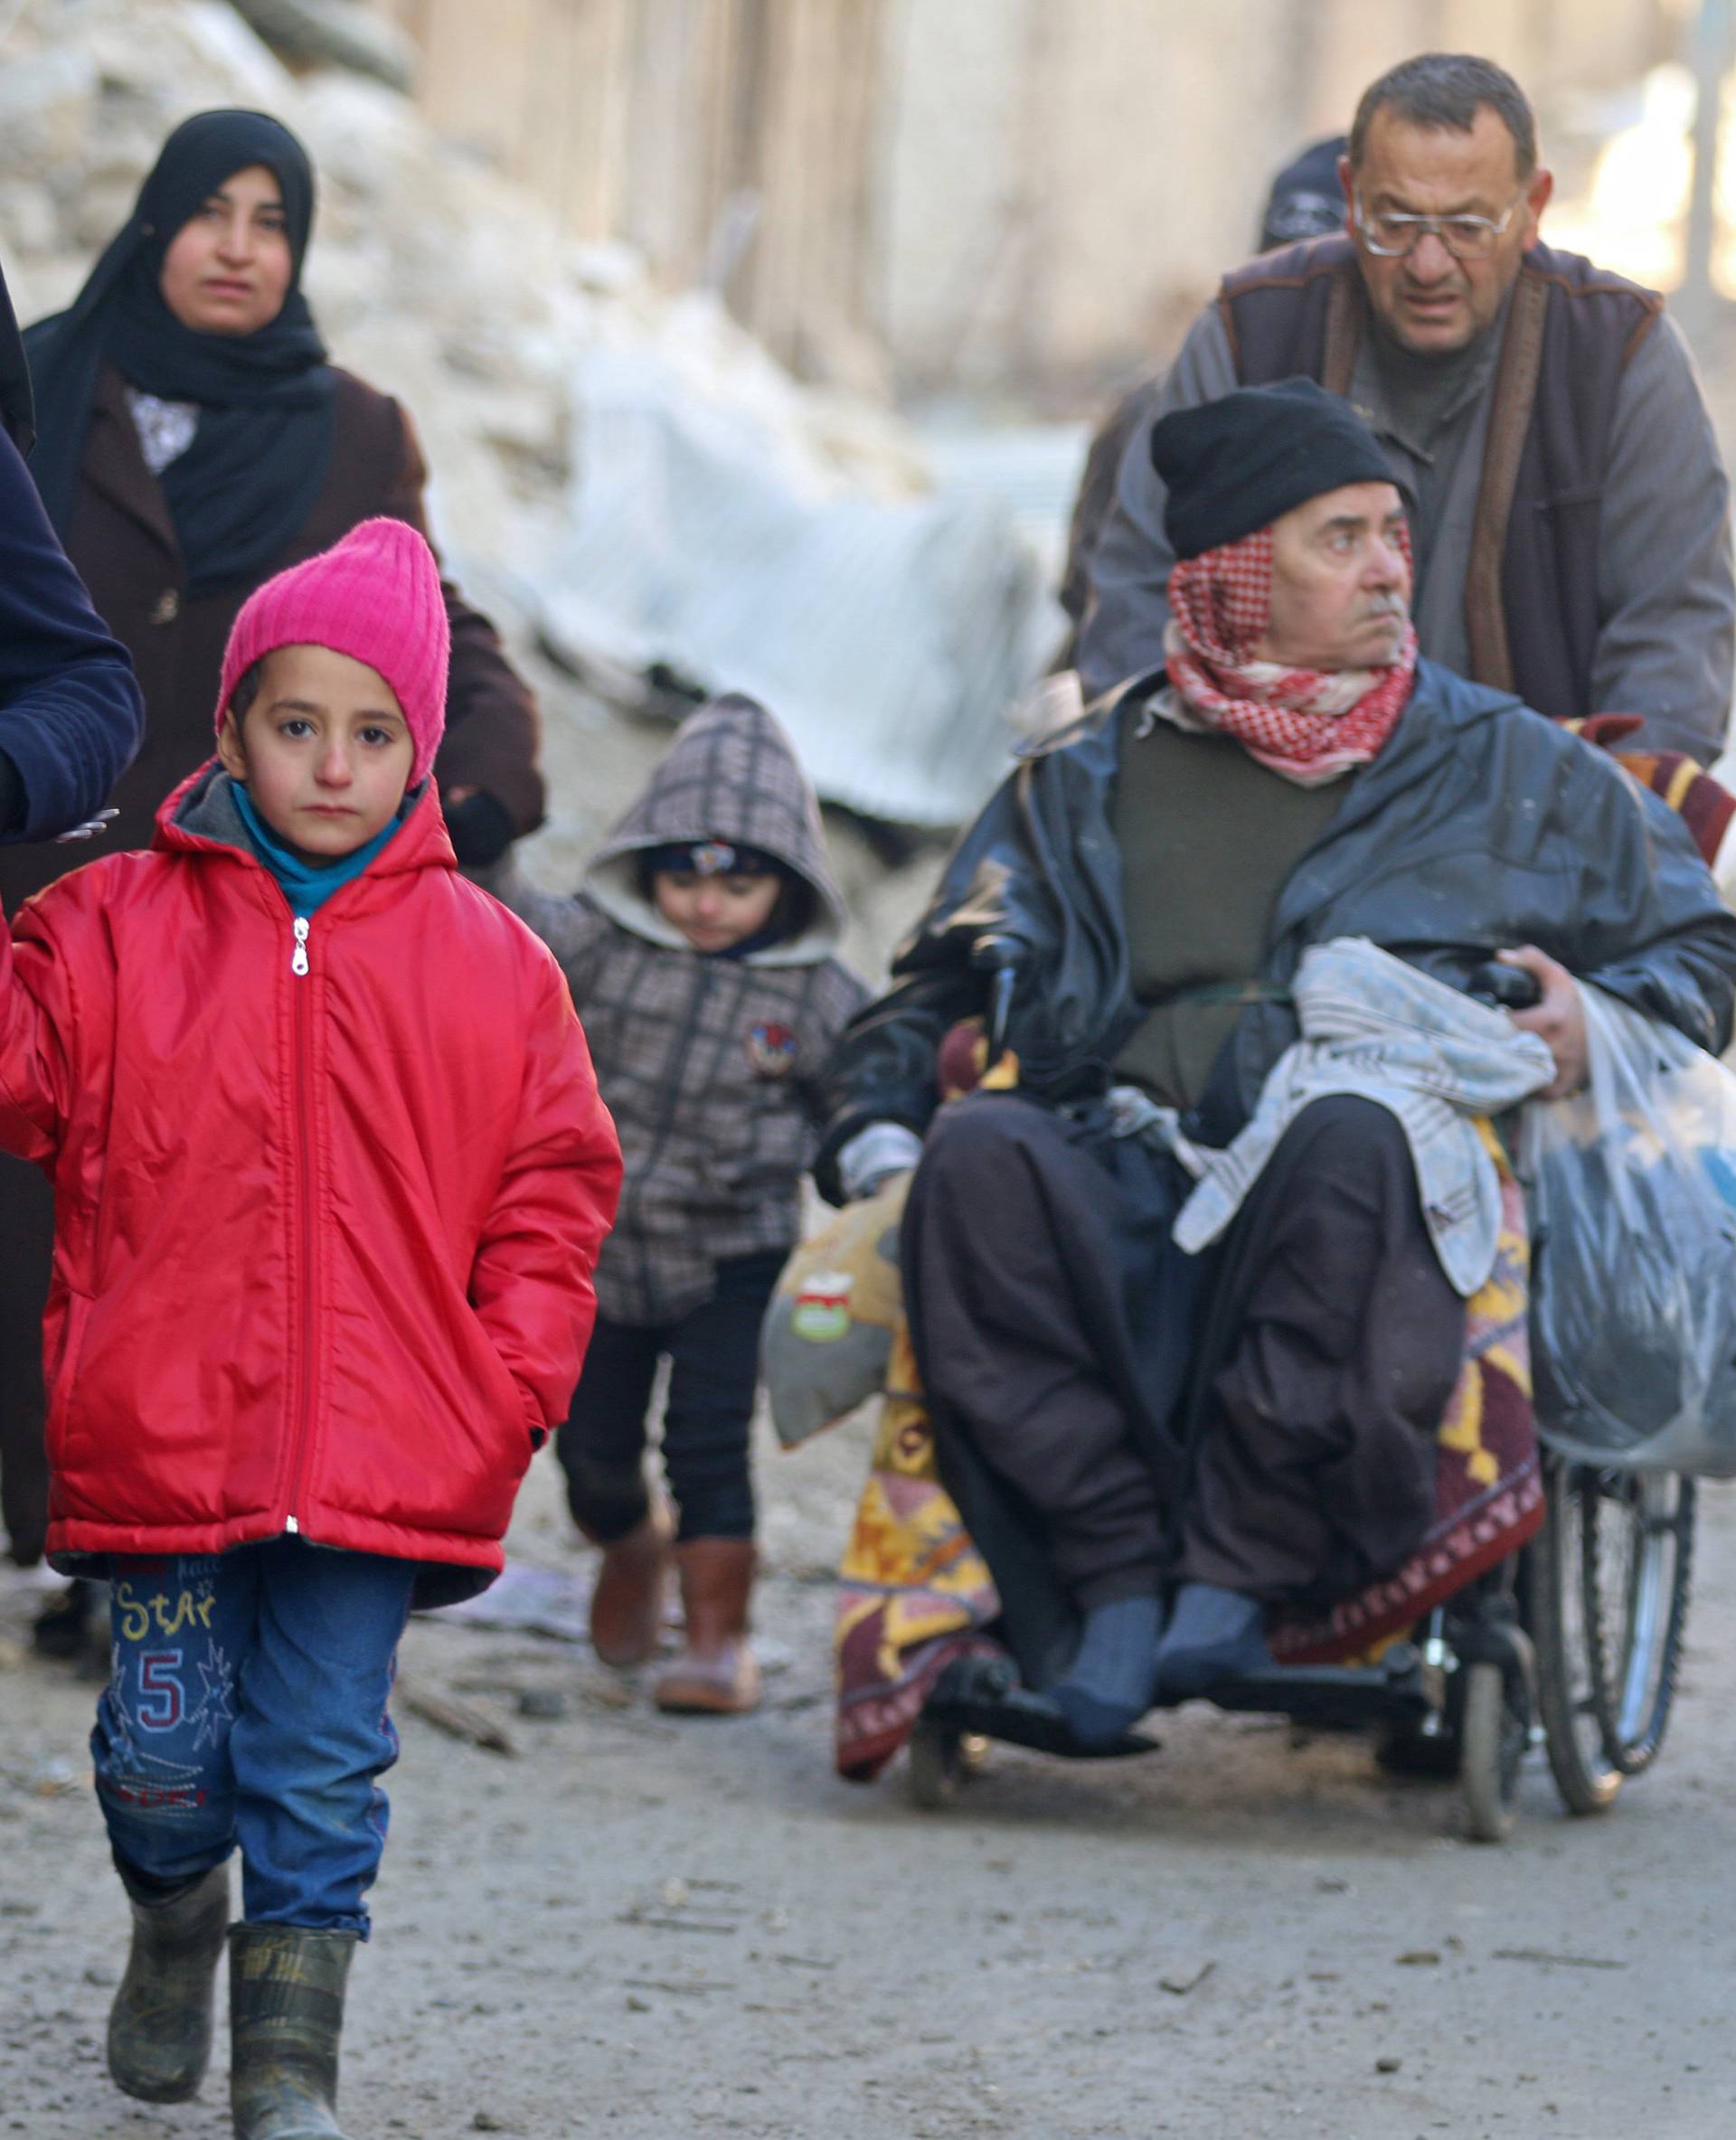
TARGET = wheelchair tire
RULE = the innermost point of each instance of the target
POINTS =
(1608, 1581)
(942, 1760)
(1636, 1623)
(1494, 1738)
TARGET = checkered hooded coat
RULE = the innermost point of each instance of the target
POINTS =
(708, 1064)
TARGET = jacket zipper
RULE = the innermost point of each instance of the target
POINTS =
(305, 1189)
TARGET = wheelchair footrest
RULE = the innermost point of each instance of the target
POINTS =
(1334, 1697)
(983, 1696)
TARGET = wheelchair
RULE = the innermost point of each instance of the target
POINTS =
(1573, 1644)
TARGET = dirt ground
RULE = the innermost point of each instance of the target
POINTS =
(641, 1927)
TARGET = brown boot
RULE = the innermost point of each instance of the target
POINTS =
(716, 1671)
(626, 1605)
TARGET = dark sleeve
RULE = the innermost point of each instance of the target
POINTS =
(490, 721)
(1647, 923)
(1096, 498)
(837, 994)
(1666, 595)
(71, 711)
(884, 1068)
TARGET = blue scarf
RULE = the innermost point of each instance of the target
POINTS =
(307, 885)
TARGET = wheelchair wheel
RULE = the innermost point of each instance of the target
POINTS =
(1495, 1733)
(1636, 1573)
(942, 1760)
(1606, 1596)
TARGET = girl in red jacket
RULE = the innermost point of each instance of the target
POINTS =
(330, 1178)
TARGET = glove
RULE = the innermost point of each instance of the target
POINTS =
(480, 828)
(873, 1155)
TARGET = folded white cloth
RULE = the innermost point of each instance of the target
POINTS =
(1374, 1026)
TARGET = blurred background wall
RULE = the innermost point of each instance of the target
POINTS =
(980, 194)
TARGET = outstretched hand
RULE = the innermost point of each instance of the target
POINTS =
(1558, 1019)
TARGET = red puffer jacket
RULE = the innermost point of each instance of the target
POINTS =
(324, 1237)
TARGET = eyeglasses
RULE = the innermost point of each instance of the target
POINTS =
(1391, 236)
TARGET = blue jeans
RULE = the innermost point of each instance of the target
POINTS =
(247, 1707)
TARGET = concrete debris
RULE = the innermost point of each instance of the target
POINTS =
(621, 473)
(338, 32)
(458, 1719)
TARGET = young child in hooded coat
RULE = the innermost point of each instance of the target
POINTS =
(330, 1176)
(701, 951)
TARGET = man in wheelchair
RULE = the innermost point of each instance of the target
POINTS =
(1152, 1447)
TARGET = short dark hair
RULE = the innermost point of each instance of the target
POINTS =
(246, 689)
(1448, 89)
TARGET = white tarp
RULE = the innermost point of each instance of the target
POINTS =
(709, 531)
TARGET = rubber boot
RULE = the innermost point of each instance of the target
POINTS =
(715, 1673)
(160, 2024)
(286, 2011)
(626, 1605)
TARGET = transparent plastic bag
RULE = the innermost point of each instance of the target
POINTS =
(1632, 1190)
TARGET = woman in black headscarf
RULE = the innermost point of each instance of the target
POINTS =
(193, 439)
(197, 304)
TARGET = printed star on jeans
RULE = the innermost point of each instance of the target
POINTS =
(216, 1704)
(124, 1748)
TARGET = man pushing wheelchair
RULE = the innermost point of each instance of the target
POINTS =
(1187, 1295)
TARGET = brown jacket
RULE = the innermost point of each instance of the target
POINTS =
(122, 541)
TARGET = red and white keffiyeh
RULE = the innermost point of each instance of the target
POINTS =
(1311, 725)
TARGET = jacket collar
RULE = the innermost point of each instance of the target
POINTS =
(1443, 706)
(199, 817)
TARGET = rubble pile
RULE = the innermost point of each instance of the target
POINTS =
(620, 475)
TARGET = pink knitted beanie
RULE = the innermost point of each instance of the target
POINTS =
(376, 597)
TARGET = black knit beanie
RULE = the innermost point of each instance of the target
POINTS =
(1241, 462)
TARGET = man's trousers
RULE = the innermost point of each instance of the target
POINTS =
(1262, 1417)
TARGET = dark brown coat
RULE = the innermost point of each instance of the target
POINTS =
(120, 537)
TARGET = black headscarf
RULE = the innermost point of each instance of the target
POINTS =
(257, 462)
